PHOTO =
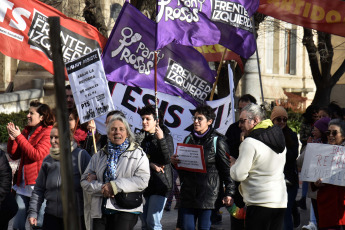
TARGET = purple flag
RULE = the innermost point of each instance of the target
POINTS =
(128, 58)
(193, 22)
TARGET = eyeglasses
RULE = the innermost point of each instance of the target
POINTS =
(333, 132)
(197, 119)
(279, 119)
(242, 121)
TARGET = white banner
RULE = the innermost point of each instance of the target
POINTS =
(177, 111)
(324, 161)
(89, 86)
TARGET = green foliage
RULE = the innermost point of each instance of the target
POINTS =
(294, 121)
(18, 119)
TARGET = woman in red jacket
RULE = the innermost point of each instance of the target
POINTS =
(31, 146)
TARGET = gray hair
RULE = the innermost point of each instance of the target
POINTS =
(118, 117)
(340, 123)
(253, 111)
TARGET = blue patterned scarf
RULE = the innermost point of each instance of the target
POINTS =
(114, 153)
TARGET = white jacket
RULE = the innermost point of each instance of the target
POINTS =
(261, 173)
(132, 175)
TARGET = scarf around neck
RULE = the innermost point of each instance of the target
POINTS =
(55, 152)
(114, 153)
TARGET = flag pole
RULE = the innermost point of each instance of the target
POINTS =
(156, 100)
(257, 59)
(218, 72)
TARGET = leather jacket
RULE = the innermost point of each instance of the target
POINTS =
(158, 152)
(200, 190)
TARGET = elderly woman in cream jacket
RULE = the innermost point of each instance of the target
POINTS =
(259, 168)
(121, 166)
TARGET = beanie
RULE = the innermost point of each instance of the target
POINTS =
(322, 124)
(278, 111)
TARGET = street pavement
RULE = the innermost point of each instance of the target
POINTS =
(170, 217)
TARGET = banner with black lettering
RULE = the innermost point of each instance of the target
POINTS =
(24, 33)
(177, 111)
(207, 22)
(128, 58)
(89, 86)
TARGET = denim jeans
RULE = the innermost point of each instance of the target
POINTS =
(189, 216)
(292, 193)
(23, 206)
(153, 212)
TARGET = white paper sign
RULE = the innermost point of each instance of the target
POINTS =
(191, 157)
(324, 161)
(89, 86)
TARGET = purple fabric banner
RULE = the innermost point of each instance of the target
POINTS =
(128, 58)
(193, 22)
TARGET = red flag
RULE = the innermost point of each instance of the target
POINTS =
(24, 33)
(326, 16)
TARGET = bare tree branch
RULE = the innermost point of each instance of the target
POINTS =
(309, 44)
(337, 75)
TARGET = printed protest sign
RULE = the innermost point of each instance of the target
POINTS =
(89, 87)
(177, 111)
(324, 161)
(191, 157)
(24, 33)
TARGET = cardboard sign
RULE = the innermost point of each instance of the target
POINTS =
(326, 162)
(89, 87)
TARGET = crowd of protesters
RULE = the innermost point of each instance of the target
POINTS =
(252, 170)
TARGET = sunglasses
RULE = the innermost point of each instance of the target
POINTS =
(242, 121)
(279, 119)
(333, 132)
(197, 119)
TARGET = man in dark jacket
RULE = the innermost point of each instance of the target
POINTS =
(234, 139)
(157, 143)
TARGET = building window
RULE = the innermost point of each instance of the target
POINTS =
(290, 51)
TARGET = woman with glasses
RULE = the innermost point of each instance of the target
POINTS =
(199, 191)
(279, 117)
(331, 198)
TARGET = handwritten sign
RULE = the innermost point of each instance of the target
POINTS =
(89, 86)
(191, 157)
(326, 162)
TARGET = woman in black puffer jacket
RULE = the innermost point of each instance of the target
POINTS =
(157, 143)
(199, 191)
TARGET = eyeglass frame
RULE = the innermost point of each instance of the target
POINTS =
(279, 119)
(329, 132)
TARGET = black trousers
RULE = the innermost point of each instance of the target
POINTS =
(8, 210)
(262, 218)
(51, 222)
(237, 224)
(117, 221)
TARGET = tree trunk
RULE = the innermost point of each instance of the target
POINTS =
(322, 96)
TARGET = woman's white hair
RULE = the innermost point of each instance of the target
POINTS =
(117, 117)
(254, 110)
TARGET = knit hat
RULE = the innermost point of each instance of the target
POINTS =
(322, 124)
(278, 111)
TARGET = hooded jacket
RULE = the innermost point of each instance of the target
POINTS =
(48, 185)
(260, 167)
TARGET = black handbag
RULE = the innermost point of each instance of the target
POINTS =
(129, 200)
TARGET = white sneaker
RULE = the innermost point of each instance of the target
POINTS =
(310, 226)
